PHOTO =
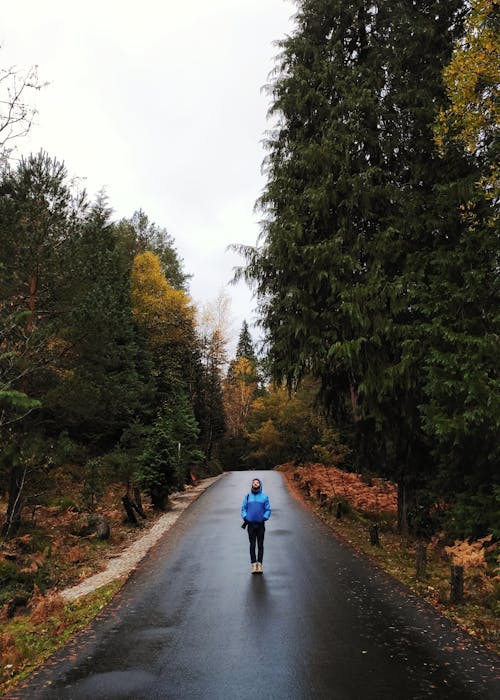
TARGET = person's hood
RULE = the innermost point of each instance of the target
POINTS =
(260, 490)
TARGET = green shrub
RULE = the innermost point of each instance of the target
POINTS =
(14, 584)
(474, 515)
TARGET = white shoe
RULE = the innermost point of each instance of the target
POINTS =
(259, 567)
(255, 568)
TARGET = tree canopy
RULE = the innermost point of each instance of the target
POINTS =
(368, 274)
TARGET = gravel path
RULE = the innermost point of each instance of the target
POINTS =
(124, 563)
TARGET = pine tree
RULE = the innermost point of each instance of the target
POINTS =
(38, 215)
(245, 350)
(240, 387)
(101, 391)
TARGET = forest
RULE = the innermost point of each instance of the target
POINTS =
(375, 275)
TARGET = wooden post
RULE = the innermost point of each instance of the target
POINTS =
(338, 512)
(421, 561)
(374, 538)
(307, 486)
(457, 584)
(322, 499)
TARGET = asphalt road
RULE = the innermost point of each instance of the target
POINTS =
(320, 622)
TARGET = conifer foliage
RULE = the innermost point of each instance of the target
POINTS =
(368, 276)
(99, 350)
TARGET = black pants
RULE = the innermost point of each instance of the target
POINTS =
(256, 534)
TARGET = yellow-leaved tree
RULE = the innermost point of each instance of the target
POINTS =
(472, 81)
(166, 315)
(283, 427)
(239, 392)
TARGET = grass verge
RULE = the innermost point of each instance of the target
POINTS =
(27, 640)
(478, 615)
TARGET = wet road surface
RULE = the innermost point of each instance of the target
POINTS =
(193, 622)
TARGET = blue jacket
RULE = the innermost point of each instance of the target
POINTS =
(255, 507)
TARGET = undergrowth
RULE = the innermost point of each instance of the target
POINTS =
(478, 614)
(29, 639)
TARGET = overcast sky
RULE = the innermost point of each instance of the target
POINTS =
(160, 103)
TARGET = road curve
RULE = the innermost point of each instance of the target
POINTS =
(321, 622)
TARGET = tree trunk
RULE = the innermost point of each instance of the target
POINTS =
(374, 538)
(32, 303)
(403, 511)
(354, 403)
(421, 561)
(16, 501)
(138, 502)
(127, 504)
(209, 444)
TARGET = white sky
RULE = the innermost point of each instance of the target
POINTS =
(160, 103)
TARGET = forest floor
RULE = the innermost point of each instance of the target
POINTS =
(53, 582)
(368, 502)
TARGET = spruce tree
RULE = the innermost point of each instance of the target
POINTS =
(245, 346)
(170, 451)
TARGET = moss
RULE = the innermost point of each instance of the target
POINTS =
(15, 585)
(63, 503)
(40, 541)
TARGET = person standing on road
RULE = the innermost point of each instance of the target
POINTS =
(255, 510)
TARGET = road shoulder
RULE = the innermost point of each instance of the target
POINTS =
(123, 564)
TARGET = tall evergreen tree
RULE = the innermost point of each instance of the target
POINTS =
(170, 450)
(240, 387)
(102, 390)
(245, 346)
(245, 349)
(209, 409)
(461, 301)
(38, 215)
(351, 212)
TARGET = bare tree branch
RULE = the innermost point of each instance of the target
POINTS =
(17, 112)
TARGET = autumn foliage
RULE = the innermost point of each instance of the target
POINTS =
(470, 553)
(163, 311)
(370, 495)
(239, 392)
